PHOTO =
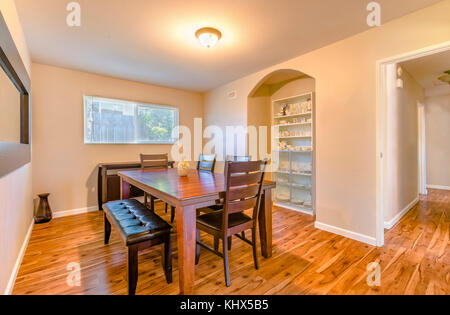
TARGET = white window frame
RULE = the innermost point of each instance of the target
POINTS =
(88, 98)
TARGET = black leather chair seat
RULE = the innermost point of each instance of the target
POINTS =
(134, 221)
(214, 220)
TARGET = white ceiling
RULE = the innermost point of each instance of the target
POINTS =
(153, 41)
(427, 70)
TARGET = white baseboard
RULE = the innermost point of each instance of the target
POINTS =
(389, 224)
(347, 233)
(23, 249)
(66, 213)
(438, 187)
(61, 214)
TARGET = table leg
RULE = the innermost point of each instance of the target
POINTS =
(104, 191)
(265, 223)
(100, 189)
(124, 190)
(186, 238)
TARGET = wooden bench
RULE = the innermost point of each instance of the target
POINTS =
(139, 228)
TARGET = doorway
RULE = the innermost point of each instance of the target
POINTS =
(391, 180)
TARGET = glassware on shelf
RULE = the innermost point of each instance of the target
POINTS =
(308, 204)
(298, 202)
(283, 198)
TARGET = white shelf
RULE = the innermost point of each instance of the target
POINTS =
(292, 183)
(294, 137)
(287, 151)
(294, 115)
(295, 173)
(296, 186)
(294, 207)
(294, 124)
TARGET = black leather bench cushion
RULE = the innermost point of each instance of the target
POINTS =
(214, 219)
(134, 221)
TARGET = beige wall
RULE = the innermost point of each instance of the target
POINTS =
(16, 206)
(401, 157)
(63, 165)
(259, 115)
(437, 113)
(296, 87)
(345, 74)
(10, 109)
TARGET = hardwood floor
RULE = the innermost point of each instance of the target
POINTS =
(415, 259)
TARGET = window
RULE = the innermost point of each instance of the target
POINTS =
(110, 121)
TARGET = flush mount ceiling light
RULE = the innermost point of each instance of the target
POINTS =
(445, 78)
(208, 36)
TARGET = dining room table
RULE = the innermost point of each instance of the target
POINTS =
(187, 194)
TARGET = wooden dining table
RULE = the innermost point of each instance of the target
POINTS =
(187, 194)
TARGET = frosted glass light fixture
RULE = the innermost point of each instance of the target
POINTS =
(208, 36)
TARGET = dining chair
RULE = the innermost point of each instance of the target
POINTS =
(244, 182)
(206, 163)
(153, 161)
(236, 158)
(233, 158)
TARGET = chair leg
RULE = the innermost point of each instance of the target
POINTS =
(229, 242)
(166, 207)
(243, 234)
(255, 252)
(168, 258)
(197, 248)
(216, 243)
(172, 214)
(107, 230)
(225, 261)
(145, 199)
(132, 269)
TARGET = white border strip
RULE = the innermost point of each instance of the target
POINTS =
(346, 233)
(389, 224)
(381, 124)
(439, 187)
(61, 214)
(12, 279)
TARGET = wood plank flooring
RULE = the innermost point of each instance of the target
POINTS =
(415, 259)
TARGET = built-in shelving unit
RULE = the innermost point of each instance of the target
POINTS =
(293, 152)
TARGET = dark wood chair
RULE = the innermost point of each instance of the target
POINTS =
(154, 161)
(218, 207)
(244, 181)
(236, 158)
(206, 163)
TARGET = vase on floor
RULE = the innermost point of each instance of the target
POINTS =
(44, 212)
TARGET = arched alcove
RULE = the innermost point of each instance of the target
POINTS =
(264, 104)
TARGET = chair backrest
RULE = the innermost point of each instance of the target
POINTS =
(149, 161)
(206, 163)
(235, 158)
(244, 181)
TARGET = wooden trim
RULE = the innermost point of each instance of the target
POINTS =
(15, 155)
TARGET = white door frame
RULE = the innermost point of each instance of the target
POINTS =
(422, 149)
(382, 126)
